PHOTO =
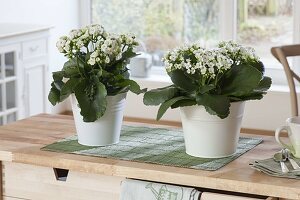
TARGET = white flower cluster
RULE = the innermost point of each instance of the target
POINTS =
(195, 59)
(102, 46)
(238, 53)
(111, 48)
(78, 38)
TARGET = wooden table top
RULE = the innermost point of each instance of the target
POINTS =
(21, 142)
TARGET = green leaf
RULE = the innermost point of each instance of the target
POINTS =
(252, 96)
(87, 56)
(132, 86)
(58, 85)
(164, 106)
(126, 74)
(106, 74)
(74, 67)
(68, 88)
(234, 99)
(195, 77)
(264, 84)
(58, 76)
(206, 88)
(119, 66)
(240, 80)
(70, 68)
(81, 64)
(159, 95)
(258, 65)
(54, 96)
(97, 72)
(184, 102)
(93, 106)
(129, 54)
(257, 93)
(119, 78)
(182, 81)
(214, 104)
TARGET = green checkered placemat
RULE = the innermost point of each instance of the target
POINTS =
(152, 145)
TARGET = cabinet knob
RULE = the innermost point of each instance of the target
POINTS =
(33, 49)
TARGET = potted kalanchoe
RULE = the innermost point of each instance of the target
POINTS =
(97, 78)
(210, 86)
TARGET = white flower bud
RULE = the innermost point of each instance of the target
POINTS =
(73, 34)
(119, 56)
(67, 46)
(79, 44)
(91, 61)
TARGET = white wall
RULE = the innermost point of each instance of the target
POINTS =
(62, 15)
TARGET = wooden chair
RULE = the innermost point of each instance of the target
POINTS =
(281, 53)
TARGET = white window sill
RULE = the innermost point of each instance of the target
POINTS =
(154, 78)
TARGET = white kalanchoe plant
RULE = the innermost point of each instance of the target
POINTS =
(96, 67)
(238, 53)
(210, 77)
(208, 63)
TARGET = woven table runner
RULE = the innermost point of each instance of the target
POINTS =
(152, 145)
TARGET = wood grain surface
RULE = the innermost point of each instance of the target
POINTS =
(21, 141)
(39, 183)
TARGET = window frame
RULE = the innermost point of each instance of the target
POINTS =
(228, 31)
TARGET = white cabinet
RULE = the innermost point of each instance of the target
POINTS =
(34, 94)
(23, 71)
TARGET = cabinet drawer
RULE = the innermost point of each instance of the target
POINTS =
(34, 48)
(34, 182)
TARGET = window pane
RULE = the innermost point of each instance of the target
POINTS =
(264, 24)
(10, 94)
(160, 24)
(9, 64)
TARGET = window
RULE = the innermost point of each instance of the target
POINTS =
(164, 24)
(160, 25)
(264, 24)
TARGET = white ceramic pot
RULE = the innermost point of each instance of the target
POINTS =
(104, 131)
(208, 136)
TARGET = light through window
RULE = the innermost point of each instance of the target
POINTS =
(263, 24)
(160, 24)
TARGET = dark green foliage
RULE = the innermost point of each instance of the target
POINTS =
(91, 98)
(160, 95)
(241, 83)
(182, 81)
(91, 84)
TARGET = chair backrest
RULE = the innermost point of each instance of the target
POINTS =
(281, 53)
